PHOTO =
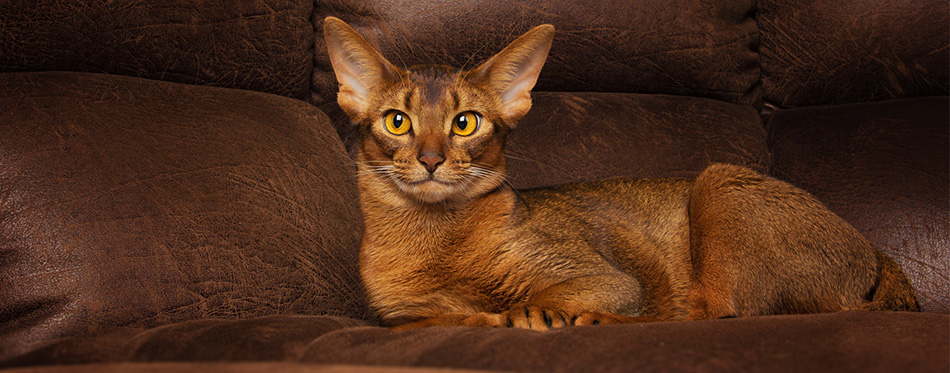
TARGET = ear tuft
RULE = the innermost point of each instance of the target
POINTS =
(513, 72)
(357, 65)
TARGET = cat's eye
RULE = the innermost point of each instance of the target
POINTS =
(397, 123)
(465, 124)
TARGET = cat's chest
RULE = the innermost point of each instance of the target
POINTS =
(424, 262)
(455, 278)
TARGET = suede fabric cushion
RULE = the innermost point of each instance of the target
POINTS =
(264, 45)
(884, 168)
(227, 368)
(572, 137)
(696, 48)
(126, 201)
(846, 341)
(831, 52)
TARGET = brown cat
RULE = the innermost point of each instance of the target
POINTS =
(447, 242)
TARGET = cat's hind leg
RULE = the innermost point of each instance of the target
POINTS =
(762, 246)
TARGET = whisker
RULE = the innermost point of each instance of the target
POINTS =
(518, 158)
(480, 172)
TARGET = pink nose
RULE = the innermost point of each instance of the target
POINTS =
(431, 160)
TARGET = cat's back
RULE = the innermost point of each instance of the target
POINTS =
(612, 216)
(648, 199)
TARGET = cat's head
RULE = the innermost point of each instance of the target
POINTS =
(434, 133)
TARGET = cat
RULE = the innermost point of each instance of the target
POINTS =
(447, 242)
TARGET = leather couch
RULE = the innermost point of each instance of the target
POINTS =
(176, 192)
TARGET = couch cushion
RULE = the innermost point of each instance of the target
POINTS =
(683, 47)
(571, 137)
(264, 45)
(265, 338)
(126, 201)
(884, 168)
(204, 367)
(839, 51)
(846, 341)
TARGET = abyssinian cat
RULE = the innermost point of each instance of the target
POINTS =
(448, 242)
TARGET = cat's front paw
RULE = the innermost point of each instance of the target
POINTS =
(535, 318)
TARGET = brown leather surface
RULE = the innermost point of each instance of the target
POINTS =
(884, 168)
(845, 341)
(832, 52)
(126, 201)
(572, 137)
(683, 47)
(263, 46)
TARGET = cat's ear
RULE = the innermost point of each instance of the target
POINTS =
(358, 67)
(513, 72)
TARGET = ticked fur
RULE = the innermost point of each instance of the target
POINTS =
(447, 242)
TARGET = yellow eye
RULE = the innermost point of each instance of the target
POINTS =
(397, 123)
(465, 124)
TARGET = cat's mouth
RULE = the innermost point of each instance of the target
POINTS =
(431, 180)
(439, 186)
(429, 189)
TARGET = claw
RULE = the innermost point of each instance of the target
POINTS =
(535, 318)
(547, 319)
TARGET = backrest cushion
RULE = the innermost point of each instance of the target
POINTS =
(683, 47)
(830, 52)
(263, 45)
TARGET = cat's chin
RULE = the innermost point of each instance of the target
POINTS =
(433, 189)
(430, 191)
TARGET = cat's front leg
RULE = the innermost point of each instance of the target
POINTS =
(521, 316)
(583, 300)
(524, 317)
(482, 319)
(541, 318)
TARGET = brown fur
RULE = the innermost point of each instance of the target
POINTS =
(448, 243)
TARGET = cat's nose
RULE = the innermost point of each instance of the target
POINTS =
(431, 160)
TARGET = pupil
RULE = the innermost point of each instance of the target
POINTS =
(397, 120)
(462, 122)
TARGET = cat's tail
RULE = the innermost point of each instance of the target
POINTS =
(893, 291)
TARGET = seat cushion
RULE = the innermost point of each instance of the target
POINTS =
(846, 341)
(203, 367)
(126, 201)
(884, 168)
